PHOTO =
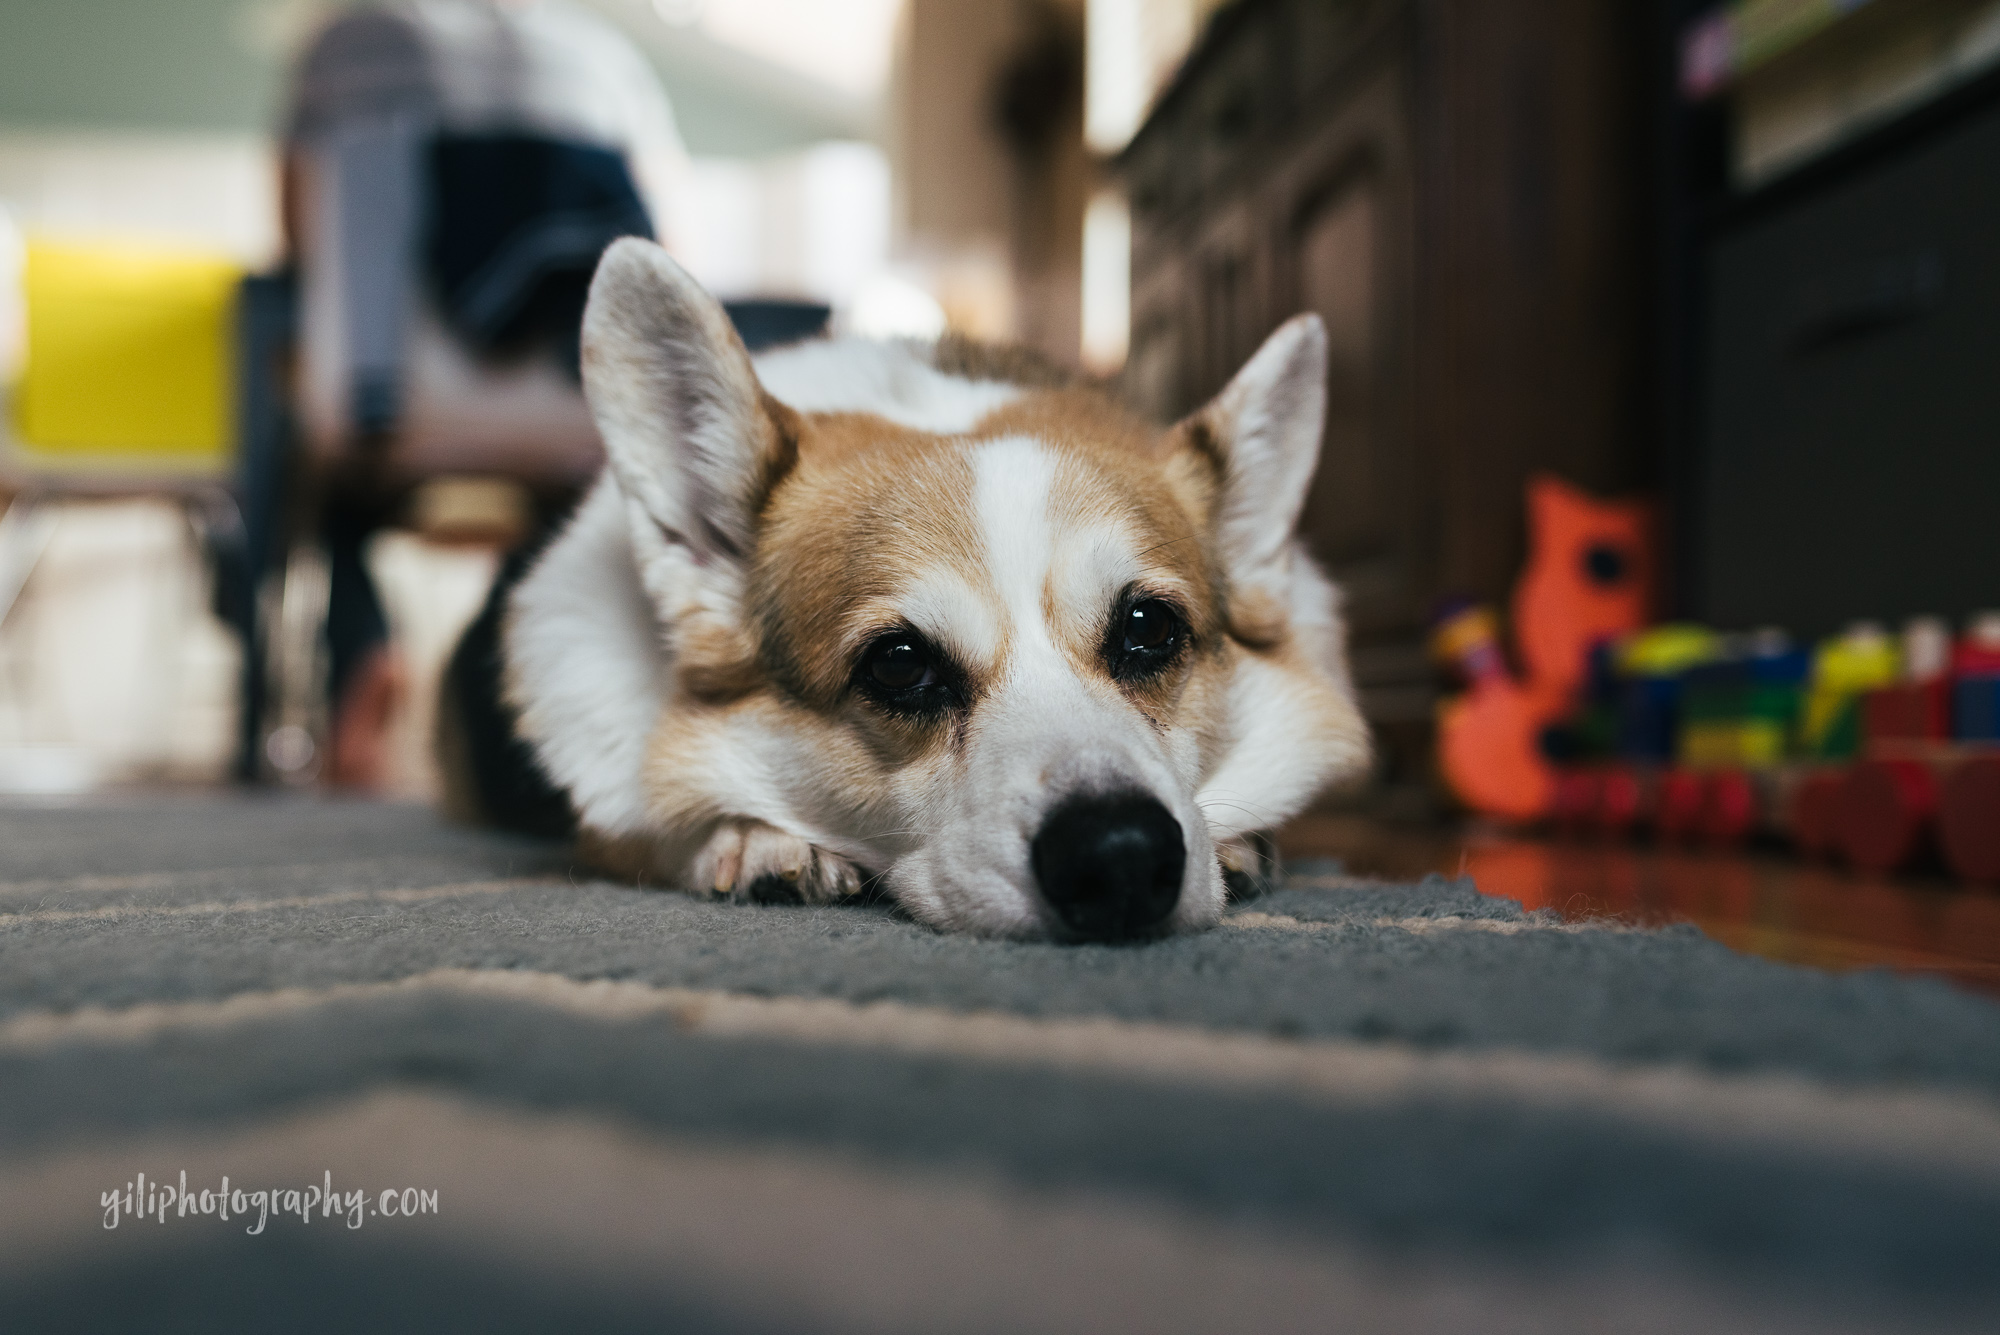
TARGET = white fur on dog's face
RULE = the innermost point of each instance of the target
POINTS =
(784, 517)
(1023, 609)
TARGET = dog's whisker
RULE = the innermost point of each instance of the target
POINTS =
(1251, 808)
(1213, 796)
(1247, 808)
(1170, 542)
(929, 829)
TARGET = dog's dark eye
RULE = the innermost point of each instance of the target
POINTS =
(905, 674)
(1149, 625)
(900, 665)
(1145, 639)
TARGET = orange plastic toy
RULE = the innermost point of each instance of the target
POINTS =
(1587, 580)
(1489, 739)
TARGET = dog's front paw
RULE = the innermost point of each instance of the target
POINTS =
(1249, 867)
(748, 859)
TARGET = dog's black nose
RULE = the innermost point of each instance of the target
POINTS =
(1110, 866)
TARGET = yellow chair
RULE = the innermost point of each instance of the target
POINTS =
(127, 388)
(129, 368)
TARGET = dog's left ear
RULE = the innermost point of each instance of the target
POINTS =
(1260, 437)
(696, 446)
(692, 436)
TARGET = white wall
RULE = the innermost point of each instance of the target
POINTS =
(813, 224)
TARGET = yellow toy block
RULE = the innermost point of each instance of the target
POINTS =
(1863, 658)
(130, 353)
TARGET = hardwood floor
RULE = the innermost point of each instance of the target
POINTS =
(1763, 903)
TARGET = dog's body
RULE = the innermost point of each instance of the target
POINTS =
(864, 609)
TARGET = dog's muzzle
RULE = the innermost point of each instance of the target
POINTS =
(1110, 867)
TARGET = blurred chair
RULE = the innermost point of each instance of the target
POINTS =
(768, 322)
(453, 171)
(128, 390)
(128, 370)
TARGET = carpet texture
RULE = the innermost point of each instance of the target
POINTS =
(1353, 1106)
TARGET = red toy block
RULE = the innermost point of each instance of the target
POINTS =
(1815, 814)
(1730, 807)
(1622, 801)
(1969, 819)
(1911, 712)
(1682, 796)
(1978, 650)
(1575, 805)
(1886, 810)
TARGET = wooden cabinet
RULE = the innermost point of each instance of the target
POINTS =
(1844, 461)
(1453, 186)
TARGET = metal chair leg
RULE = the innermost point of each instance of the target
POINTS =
(25, 529)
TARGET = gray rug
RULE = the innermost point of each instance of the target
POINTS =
(1354, 1106)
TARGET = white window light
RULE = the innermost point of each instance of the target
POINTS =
(1114, 81)
(1107, 282)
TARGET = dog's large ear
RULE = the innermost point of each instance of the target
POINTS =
(692, 436)
(1260, 438)
(694, 441)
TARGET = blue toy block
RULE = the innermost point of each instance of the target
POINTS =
(1975, 709)
(1649, 718)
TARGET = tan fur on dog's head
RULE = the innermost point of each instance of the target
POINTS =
(999, 643)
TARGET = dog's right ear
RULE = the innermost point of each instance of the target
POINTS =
(1258, 442)
(694, 441)
(692, 436)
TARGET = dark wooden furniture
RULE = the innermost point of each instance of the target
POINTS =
(1453, 186)
(1829, 336)
(1848, 457)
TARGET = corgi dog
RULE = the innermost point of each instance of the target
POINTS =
(923, 617)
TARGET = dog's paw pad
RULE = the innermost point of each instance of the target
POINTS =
(773, 890)
(754, 861)
(1248, 870)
